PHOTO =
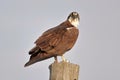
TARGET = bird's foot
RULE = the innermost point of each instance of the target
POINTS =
(64, 60)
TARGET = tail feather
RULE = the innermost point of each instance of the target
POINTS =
(38, 57)
(29, 63)
(34, 50)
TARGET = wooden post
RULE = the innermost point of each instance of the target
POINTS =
(64, 71)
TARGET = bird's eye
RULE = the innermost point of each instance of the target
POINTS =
(73, 13)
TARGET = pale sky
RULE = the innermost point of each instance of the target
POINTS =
(97, 49)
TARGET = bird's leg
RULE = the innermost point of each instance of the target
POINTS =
(56, 61)
(63, 59)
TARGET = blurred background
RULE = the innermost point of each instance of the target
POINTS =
(97, 49)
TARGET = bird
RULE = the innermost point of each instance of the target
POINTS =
(56, 41)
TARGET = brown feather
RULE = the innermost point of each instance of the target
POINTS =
(54, 42)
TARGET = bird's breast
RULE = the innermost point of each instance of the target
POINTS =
(68, 40)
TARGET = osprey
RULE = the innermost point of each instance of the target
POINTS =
(56, 41)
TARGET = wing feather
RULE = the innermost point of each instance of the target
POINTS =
(50, 39)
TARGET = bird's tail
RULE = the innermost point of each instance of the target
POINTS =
(37, 55)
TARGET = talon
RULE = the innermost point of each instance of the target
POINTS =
(63, 59)
(67, 60)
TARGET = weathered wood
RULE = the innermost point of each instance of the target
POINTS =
(64, 71)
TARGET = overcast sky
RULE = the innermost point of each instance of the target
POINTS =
(97, 49)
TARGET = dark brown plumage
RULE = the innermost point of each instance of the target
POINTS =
(55, 41)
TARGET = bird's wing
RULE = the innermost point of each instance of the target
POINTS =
(45, 45)
(50, 39)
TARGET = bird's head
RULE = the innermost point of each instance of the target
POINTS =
(74, 18)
